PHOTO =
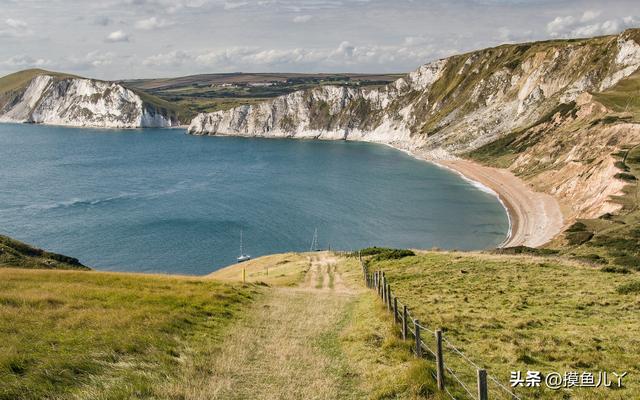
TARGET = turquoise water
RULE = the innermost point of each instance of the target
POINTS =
(161, 201)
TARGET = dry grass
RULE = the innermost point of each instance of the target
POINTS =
(287, 269)
(524, 313)
(90, 335)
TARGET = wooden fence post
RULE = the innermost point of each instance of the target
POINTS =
(395, 310)
(244, 275)
(404, 322)
(389, 296)
(483, 392)
(439, 360)
(416, 324)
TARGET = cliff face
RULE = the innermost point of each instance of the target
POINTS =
(72, 101)
(469, 105)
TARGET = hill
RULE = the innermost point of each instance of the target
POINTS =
(39, 96)
(213, 92)
(20, 255)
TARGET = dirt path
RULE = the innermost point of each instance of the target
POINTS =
(287, 347)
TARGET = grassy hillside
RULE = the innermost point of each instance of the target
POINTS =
(524, 313)
(90, 335)
(14, 253)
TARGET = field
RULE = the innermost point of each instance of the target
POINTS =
(90, 335)
(525, 314)
(213, 92)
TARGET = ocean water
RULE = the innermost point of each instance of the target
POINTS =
(162, 201)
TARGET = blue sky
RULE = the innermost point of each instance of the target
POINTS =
(117, 39)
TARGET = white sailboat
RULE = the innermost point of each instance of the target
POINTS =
(242, 257)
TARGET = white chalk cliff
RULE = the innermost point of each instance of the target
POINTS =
(79, 102)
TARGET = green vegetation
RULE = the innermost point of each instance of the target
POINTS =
(510, 313)
(89, 335)
(17, 254)
(384, 253)
(624, 97)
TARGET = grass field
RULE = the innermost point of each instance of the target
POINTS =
(523, 313)
(90, 335)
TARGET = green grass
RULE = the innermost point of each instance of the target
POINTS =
(525, 313)
(14, 253)
(96, 335)
(624, 97)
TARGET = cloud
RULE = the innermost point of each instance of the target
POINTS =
(152, 23)
(23, 61)
(300, 19)
(233, 5)
(14, 28)
(93, 59)
(588, 24)
(346, 54)
(102, 20)
(16, 24)
(117, 36)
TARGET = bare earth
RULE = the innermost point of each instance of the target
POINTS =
(535, 217)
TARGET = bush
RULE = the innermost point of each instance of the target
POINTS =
(629, 288)
(526, 250)
(628, 261)
(578, 238)
(577, 227)
(384, 253)
(625, 176)
(591, 258)
(616, 270)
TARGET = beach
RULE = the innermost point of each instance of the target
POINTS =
(535, 217)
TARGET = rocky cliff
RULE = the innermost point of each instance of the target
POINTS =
(50, 98)
(526, 107)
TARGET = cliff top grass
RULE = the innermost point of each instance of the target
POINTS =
(14, 253)
(510, 313)
(286, 269)
(72, 334)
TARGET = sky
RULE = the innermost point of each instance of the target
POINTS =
(121, 39)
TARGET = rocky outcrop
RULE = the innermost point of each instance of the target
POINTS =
(462, 104)
(72, 101)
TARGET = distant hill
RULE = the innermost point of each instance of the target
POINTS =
(16, 254)
(213, 92)
(39, 96)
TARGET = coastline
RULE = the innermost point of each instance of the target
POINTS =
(535, 218)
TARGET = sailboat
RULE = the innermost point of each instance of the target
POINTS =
(242, 257)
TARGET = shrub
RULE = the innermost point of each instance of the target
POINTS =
(629, 288)
(577, 227)
(625, 176)
(384, 253)
(578, 238)
(615, 270)
(628, 261)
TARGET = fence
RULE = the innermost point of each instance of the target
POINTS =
(483, 386)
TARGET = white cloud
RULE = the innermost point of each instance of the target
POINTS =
(117, 36)
(254, 59)
(300, 19)
(152, 23)
(16, 24)
(233, 5)
(588, 24)
(23, 61)
(93, 59)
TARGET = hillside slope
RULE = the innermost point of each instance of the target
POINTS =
(38, 96)
(543, 96)
(20, 255)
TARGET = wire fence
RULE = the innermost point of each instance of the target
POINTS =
(459, 376)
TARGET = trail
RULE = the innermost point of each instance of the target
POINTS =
(286, 348)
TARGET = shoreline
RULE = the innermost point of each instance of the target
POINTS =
(535, 218)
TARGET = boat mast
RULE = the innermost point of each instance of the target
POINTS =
(314, 242)
(241, 252)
